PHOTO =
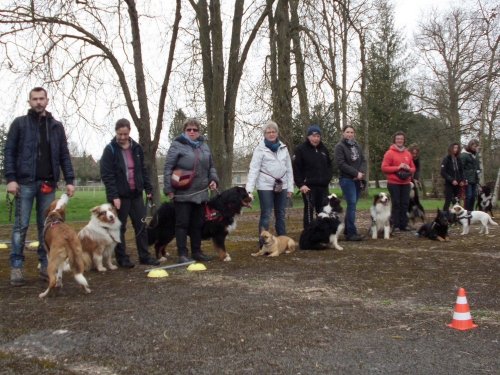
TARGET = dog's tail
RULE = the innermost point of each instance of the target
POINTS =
(75, 259)
(490, 221)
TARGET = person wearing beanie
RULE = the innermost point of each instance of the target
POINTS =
(351, 163)
(472, 169)
(312, 172)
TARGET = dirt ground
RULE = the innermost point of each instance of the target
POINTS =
(377, 307)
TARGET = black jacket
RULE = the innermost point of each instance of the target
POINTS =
(312, 166)
(22, 145)
(452, 171)
(349, 159)
(114, 171)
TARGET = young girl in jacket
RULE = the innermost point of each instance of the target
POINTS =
(453, 174)
(398, 167)
(271, 173)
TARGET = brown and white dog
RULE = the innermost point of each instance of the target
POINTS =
(63, 246)
(381, 215)
(100, 236)
(275, 245)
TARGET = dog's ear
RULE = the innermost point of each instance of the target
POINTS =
(262, 229)
(95, 209)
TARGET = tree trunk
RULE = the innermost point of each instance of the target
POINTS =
(299, 66)
(283, 113)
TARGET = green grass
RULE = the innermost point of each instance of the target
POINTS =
(80, 205)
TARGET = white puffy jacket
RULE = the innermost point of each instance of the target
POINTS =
(277, 164)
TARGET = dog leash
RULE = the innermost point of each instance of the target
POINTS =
(10, 205)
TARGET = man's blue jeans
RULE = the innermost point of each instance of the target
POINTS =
(269, 200)
(351, 190)
(23, 205)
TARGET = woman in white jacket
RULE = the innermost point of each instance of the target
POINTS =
(272, 174)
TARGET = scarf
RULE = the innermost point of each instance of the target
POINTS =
(193, 144)
(273, 146)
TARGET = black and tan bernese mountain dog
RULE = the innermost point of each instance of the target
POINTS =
(219, 220)
(323, 232)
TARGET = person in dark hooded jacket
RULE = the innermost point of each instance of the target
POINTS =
(125, 178)
(453, 173)
(312, 172)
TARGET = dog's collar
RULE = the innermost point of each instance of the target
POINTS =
(109, 232)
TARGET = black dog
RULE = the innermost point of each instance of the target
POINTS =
(484, 200)
(220, 213)
(323, 232)
(415, 208)
(438, 229)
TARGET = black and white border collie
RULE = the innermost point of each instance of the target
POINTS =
(380, 212)
(323, 232)
(415, 208)
(485, 199)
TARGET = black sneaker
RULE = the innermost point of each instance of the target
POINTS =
(150, 261)
(200, 257)
(354, 237)
(125, 263)
(405, 229)
(184, 259)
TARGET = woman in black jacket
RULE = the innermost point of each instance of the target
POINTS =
(453, 174)
(125, 177)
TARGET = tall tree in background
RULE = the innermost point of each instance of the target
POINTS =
(176, 125)
(220, 99)
(79, 44)
(280, 40)
(3, 139)
(450, 45)
(387, 98)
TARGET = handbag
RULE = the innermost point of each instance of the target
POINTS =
(182, 179)
(278, 182)
(403, 175)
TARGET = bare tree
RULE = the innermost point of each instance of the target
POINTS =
(82, 42)
(220, 99)
(450, 46)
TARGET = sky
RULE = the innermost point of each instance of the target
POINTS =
(407, 15)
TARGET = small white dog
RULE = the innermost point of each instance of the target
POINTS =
(465, 218)
(380, 212)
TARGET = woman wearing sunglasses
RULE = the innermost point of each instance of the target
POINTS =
(190, 154)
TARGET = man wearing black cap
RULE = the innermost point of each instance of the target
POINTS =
(312, 172)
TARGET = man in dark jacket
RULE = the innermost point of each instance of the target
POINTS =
(312, 172)
(125, 178)
(35, 151)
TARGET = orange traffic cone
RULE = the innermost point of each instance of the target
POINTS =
(462, 319)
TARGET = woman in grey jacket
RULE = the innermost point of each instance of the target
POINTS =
(190, 152)
(270, 167)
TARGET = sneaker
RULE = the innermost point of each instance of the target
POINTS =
(43, 274)
(200, 257)
(184, 259)
(354, 237)
(406, 229)
(16, 277)
(125, 263)
(150, 261)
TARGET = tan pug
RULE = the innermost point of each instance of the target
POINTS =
(274, 246)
